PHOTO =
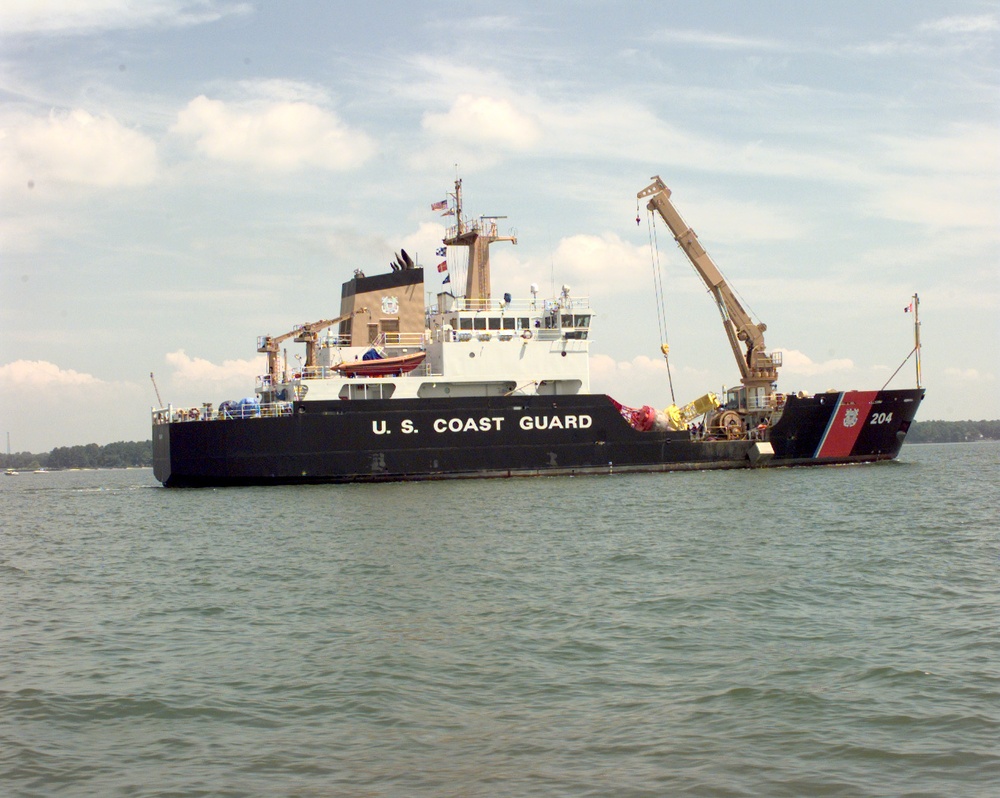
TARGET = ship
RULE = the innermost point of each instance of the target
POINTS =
(402, 385)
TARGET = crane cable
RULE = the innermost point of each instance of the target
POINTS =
(661, 314)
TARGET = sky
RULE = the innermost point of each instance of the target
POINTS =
(179, 177)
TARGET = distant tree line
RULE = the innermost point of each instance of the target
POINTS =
(123, 454)
(953, 431)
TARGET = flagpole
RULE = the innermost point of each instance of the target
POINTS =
(916, 333)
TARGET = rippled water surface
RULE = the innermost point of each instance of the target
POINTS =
(799, 632)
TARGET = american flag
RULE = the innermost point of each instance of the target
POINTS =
(439, 206)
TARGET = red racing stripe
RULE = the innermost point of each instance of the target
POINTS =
(849, 419)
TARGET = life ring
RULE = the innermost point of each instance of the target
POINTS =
(181, 415)
(526, 335)
(193, 414)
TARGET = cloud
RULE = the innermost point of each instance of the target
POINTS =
(74, 148)
(481, 130)
(424, 243)
(945, 181)
(39, 374)
(716, 41)
(643, 380)
(46, 405)
(274, 136)
(189, 369)
(984, 23)
(591, 265)
(81, 16)
(484, 120)
(602, 264)
(798, 363)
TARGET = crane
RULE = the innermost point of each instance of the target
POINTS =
(309, 334)
(271, 346)
(758, 369)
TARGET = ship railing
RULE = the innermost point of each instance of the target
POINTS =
(516, 305)
(537, 334)
(233, 412)
(484, 226)
(397, 339)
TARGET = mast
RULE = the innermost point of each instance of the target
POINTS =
(476, 237)
(916, 334)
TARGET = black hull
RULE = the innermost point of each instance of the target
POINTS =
(402, 439)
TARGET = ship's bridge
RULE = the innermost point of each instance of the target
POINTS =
(460, 319)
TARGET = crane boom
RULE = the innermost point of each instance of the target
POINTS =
(309, 334)
(758, 369)
(271, 346)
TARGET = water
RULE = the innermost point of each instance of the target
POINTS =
(795, 632)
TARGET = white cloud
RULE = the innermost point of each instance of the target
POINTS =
(484, 120)
(74, 148)
(46, 405)
(798, 363)
(478, 131)
(643, 380)
(424, 243)
(716, 41)
(601, 265)
(78, 16)
(283, 90)
(983, 23)
(194, 380)
(942, 181)
(189, 369)
(40, 374)
(276, 136)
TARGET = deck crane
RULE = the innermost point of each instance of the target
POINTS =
(271, 346)
(309, 334)
(758, 369)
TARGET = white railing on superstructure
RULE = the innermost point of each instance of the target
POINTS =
(173, 415)
(521, 306)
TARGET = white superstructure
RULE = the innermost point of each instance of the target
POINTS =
(472, 348)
